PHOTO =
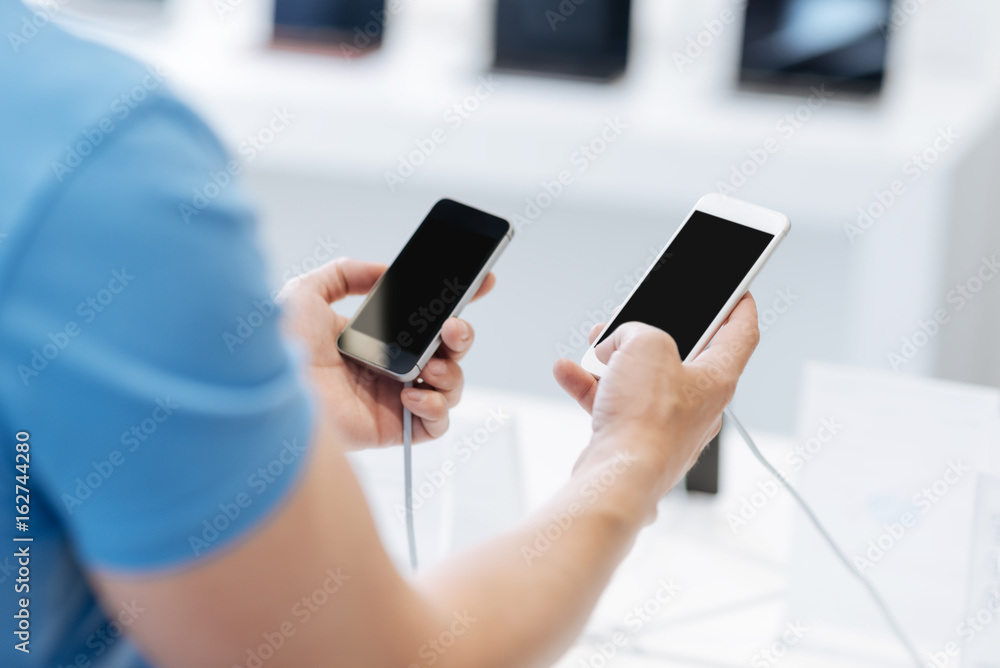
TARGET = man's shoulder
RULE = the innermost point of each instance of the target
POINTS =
(71, 96)
(81, 79)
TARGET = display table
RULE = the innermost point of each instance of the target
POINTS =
(706, 595)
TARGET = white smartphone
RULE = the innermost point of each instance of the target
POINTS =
(700, 275)
(438, 272)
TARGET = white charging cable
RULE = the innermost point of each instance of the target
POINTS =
(411, 535)
(886, 612)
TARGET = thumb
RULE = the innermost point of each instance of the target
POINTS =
(635, 336)
(337, 279)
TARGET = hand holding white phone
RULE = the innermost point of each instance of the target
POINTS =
(700, 275)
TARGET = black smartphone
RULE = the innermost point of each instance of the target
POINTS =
(438, 272)
(792, 45)
(573, 38)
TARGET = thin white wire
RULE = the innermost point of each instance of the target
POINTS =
(411, 535)
(886, 612)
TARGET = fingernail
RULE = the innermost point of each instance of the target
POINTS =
(414, 396)
(466, 330)
(436, 367)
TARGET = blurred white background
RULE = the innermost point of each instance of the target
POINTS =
(844, 300)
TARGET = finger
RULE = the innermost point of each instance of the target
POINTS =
(456, 338)
(445, 376)
(577, 382)
(430, 407)
(732, 346)
(487, 285)
(595, 331)
(747, 297)
(342, 277)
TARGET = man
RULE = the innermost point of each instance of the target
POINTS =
(187, 496)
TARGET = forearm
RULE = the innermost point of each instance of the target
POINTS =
(523, 597)
(518, 600)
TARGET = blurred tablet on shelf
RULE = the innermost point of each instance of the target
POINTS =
(790, 45)
(344, 27)
(587, 40)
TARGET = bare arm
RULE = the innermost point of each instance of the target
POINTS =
(500, 609)
(313, 585)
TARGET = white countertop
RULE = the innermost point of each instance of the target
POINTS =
(732, 598)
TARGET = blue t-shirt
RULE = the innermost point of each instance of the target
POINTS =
(140, 355)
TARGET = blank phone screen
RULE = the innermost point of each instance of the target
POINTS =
(427, 280)
(693, 278)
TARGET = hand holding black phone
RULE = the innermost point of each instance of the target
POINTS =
(440, 269)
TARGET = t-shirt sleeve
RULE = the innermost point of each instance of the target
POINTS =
(143, 353)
